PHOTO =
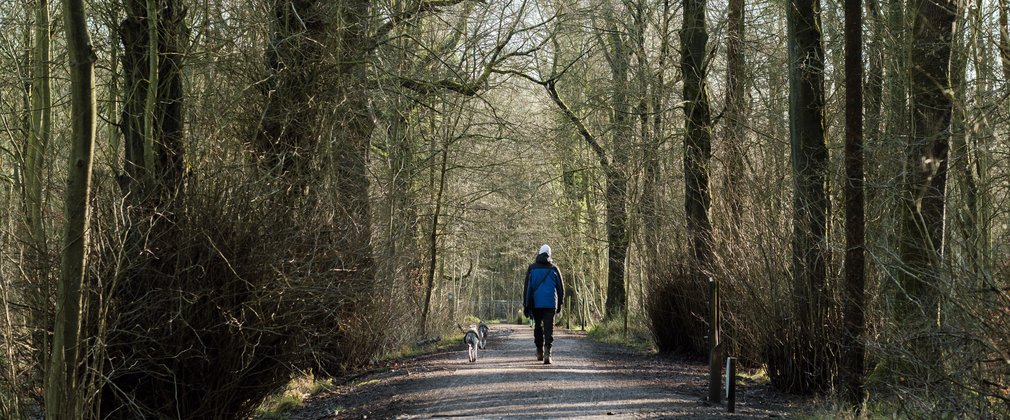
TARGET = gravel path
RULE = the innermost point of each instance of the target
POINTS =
(586, 380)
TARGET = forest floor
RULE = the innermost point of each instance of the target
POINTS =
(587, 379)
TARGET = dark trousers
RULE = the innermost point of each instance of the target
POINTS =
(543, 327)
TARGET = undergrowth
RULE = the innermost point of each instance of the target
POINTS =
(612, 331)
(301, 387)
(276, 406)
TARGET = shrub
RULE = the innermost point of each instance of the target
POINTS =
(209, 307)
(678, 312)
(612, 331)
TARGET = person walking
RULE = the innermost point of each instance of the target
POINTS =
(543, 294)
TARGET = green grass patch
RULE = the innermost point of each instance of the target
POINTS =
(754, 375)
(444, 343)
(831, 409)
(276, 407)
(367, 383)
(636, 336)
(521, 319)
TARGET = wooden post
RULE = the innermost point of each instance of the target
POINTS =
(730, 384)
(714, 361)
(625, 323)
(568, 312)
(582, 316)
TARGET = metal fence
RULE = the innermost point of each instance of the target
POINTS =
(500, 309)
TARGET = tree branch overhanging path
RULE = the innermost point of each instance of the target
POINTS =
(615, 195)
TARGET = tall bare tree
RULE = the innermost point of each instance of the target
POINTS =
(618, 56)
(736, 113)
(1004, 39)
(653, 139)
(855, 265)
(154, 39)
(698, 134)
(924, 184)
(286, 140)
(807, 357)
(62, 396)
(34, 178)
(354, 126)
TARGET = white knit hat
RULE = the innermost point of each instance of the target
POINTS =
(545, 249)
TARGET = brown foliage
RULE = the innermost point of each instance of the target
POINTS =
(678, 312)
(219, 301)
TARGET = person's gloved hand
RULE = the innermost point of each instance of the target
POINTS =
(526, 312)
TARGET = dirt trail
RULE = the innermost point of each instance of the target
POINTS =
(587, 380)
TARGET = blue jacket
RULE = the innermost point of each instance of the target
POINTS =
(544, 288)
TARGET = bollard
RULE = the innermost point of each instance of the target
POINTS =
(582, 316)
(715, 347)
(730, 384)
(625, 323)
(568, 312)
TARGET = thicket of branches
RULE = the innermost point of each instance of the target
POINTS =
(309, 184)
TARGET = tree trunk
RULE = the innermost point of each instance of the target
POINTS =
(874, 81)
(896, 80)
(353, 133)
(698, 137)
(617, 251)
(806, 367)
(651, 170)
(287, 137)
(855, 265)
(922, 208)
(170, 154)
(401, 249)
(966, 216)
(310, 100)
(1004, 41)
(39, 131)
(736, 116)
(63, 397)
(154, 38)
(433, 238)
(617, 178)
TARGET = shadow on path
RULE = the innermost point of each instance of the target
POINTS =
(586, 380)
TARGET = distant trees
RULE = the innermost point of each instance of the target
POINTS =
(294, 178)
(612, 160)
(618, 55)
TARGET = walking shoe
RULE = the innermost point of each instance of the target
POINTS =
(540, 353)
(547, 356)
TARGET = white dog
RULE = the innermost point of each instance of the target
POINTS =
(472, 340)
(482, 331)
